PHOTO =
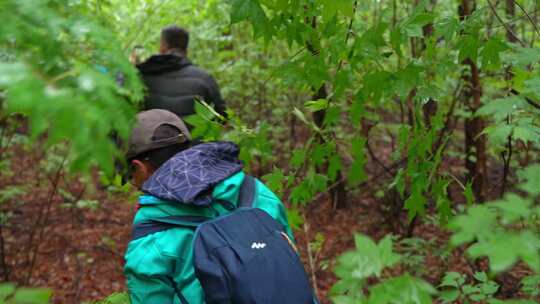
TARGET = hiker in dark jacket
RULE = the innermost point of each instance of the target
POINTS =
(173, 82)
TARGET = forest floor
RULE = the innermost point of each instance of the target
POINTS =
(80, 249)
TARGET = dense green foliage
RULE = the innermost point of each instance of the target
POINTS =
(313, 86)
(59, 69)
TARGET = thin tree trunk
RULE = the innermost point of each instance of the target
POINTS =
(430, 107)
(507, 155)
(475, 141)
(534, 21)
(338, 194)
(510, 14)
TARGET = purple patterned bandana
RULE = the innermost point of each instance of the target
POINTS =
(190, 175)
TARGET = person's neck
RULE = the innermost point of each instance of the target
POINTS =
(176, 52)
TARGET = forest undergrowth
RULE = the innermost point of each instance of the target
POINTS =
(403, 136)
(77, 248)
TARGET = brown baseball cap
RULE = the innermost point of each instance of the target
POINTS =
(148, 132)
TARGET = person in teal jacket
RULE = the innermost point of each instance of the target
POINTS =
(178, 177)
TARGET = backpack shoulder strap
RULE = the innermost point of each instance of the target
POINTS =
(247, 192)
(164, 223)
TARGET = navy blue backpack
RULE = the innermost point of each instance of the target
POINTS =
(242, 257)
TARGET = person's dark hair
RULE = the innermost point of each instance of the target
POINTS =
(157, 157)
(175, 37)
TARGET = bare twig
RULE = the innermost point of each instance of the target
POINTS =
(506, 161)
(311, 260)
(528, 17)
(529, 101)
(332, 186)
(3, 255)
(449, 115)
(349, 31)
(508, 29)
(42, 220)
(149, 17)
(377, 160)
(516, 19)
(533, 35)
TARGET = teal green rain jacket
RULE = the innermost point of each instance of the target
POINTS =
(157, 261)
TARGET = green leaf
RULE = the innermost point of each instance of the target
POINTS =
(478, 222)
(334, 166)
(332, 116)
(499, 133)
(275, 180)
(447, 28)
(370, 258)
(531, 285)
(496, 301)
(403, 289)
(318, 154)
(251, 10)
(415, 205)
(296, 220)
(470, 289)
(6, 290)
(480, 276)
(449, 296)
(301, 193)
(332, 7)
(300, 116)
(413, 27)
(468, 48)
(32, 296)
(524, 245)
(452, 279)
(375, 85)
(316, 182)
(372, 40)
(316, 105)
(526, 133)
(357, 109)
(11, 192)
(529, 180)
(489, 288)
(298, 158)
(491, 53)
(532, 87)
(513, 208)
(116, 298)
(469, 194)
(501, 108)
(523, 56)
(396, 40)
(356, 171)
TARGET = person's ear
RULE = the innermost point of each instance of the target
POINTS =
(139, 166)
(141, 172)
(163, 49)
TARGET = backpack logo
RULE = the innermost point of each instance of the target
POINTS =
(256, 245)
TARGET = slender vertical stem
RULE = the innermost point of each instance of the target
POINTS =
(41, 221)
(311, 260)
(534, 25)
(3, 254)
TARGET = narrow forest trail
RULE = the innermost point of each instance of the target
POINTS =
(80, 253)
